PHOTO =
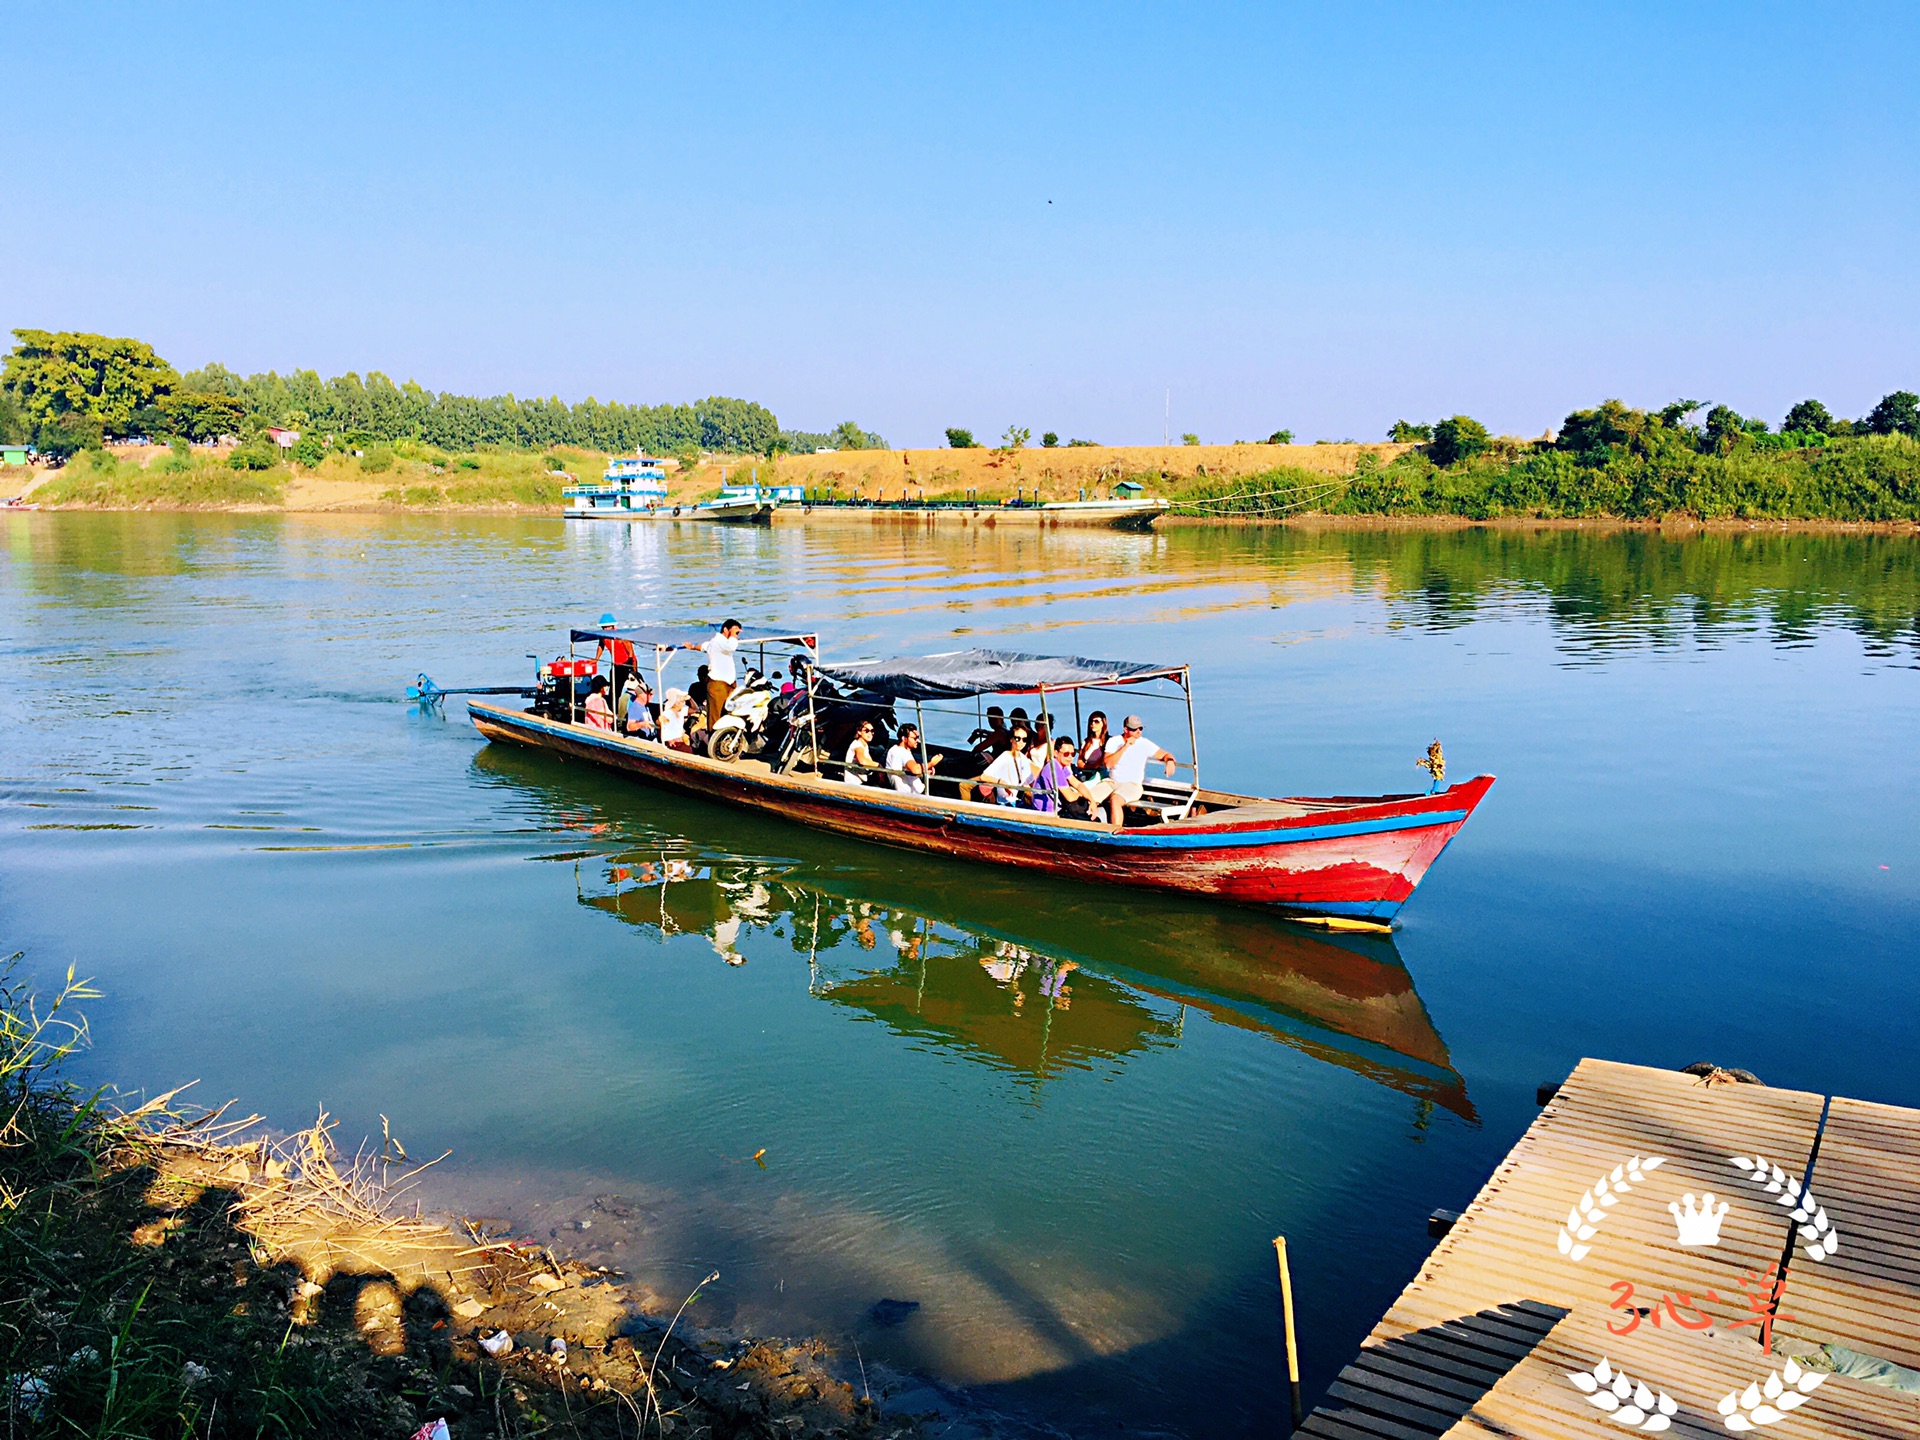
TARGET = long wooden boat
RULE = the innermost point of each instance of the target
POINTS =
(1345, 999)
(1043, 514)
(1353, 859)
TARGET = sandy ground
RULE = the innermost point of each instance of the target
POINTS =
(1059, 473)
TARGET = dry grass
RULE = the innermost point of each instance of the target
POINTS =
(1060, 473)
(162, 1274)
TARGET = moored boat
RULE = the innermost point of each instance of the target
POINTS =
(634, 487)
(1119, 514)
(1340, 860)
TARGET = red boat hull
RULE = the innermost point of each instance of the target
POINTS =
(1356, 858)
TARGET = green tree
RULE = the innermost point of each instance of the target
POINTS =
(1726, 428)
(309, 451)
(1459, 438)
(1280, 437)
(15, 427)
(1809, 417)
(1674, 416)
(1015, 439)
(203, 414)
(258, 453)
(1405, 432)
(61, 439)
(151, 422)
(1594, 435)
(1896, 414)
(1049, 440)
(94, 379)
(961, 439)
(1189, 439)
(1079, 444)
(849, 436)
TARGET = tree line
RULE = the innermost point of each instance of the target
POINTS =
(1592, 434)
(65, 391)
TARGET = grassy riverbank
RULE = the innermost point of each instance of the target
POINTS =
(1855, 480)
(165, 1276)
(1863, 479)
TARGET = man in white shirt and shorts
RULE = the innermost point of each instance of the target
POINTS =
(1127, 757)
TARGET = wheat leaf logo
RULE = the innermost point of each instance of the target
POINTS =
(1583, 1220)
(1623, 1400)
(1819, 1238)
(1769, 1401)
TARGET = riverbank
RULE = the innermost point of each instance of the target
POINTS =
(174, 1274)
(1869, 482)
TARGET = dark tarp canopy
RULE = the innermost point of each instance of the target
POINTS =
(668, 636)
(960, 674)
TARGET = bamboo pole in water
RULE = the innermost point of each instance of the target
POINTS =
(1286, 1315)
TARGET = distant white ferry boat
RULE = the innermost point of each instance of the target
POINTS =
(634, 487)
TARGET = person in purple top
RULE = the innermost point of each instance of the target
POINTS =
(1056, 786)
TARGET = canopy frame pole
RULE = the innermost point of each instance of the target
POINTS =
(926, 775)
(1193, 734)
(1078, 728)
(813, 722)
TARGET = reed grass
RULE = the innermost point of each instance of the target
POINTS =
(1873, 478)
(95, 478)
(163, 1273)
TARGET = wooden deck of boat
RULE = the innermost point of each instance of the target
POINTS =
(1483, 1341)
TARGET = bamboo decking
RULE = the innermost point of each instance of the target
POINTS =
(1570, 1256)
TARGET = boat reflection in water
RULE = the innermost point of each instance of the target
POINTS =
(1024, 974)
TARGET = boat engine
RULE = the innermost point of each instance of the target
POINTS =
(562, 687)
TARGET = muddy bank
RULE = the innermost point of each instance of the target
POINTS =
(201, 1277)
(1679, 525)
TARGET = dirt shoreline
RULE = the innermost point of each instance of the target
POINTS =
(271, 1279)
(1309, 521)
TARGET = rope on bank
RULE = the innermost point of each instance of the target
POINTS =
(1300, 499)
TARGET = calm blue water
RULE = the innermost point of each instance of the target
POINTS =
(1067, 1123)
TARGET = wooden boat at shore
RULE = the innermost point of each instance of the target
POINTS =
(1337, 860)
(1121, 514)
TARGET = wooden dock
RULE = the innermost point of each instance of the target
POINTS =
(1581, 1250)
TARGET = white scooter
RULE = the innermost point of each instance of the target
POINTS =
(741, 728)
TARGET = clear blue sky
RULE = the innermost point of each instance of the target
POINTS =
(1320, 217)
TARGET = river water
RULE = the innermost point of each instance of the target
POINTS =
(1064, 1123)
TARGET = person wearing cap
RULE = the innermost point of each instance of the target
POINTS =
(636, 709)
(619, 652)
(721, 672)
(1127, 758)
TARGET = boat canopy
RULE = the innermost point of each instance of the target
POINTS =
(960, 674)
(666, 637)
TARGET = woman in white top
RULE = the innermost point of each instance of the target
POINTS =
(903, 763)
(1013, 768)
(673, 721)
(860, 761)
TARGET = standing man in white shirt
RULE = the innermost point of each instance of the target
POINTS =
(1127, 757)
(721, 674)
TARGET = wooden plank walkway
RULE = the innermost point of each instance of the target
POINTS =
(1586, 1246)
